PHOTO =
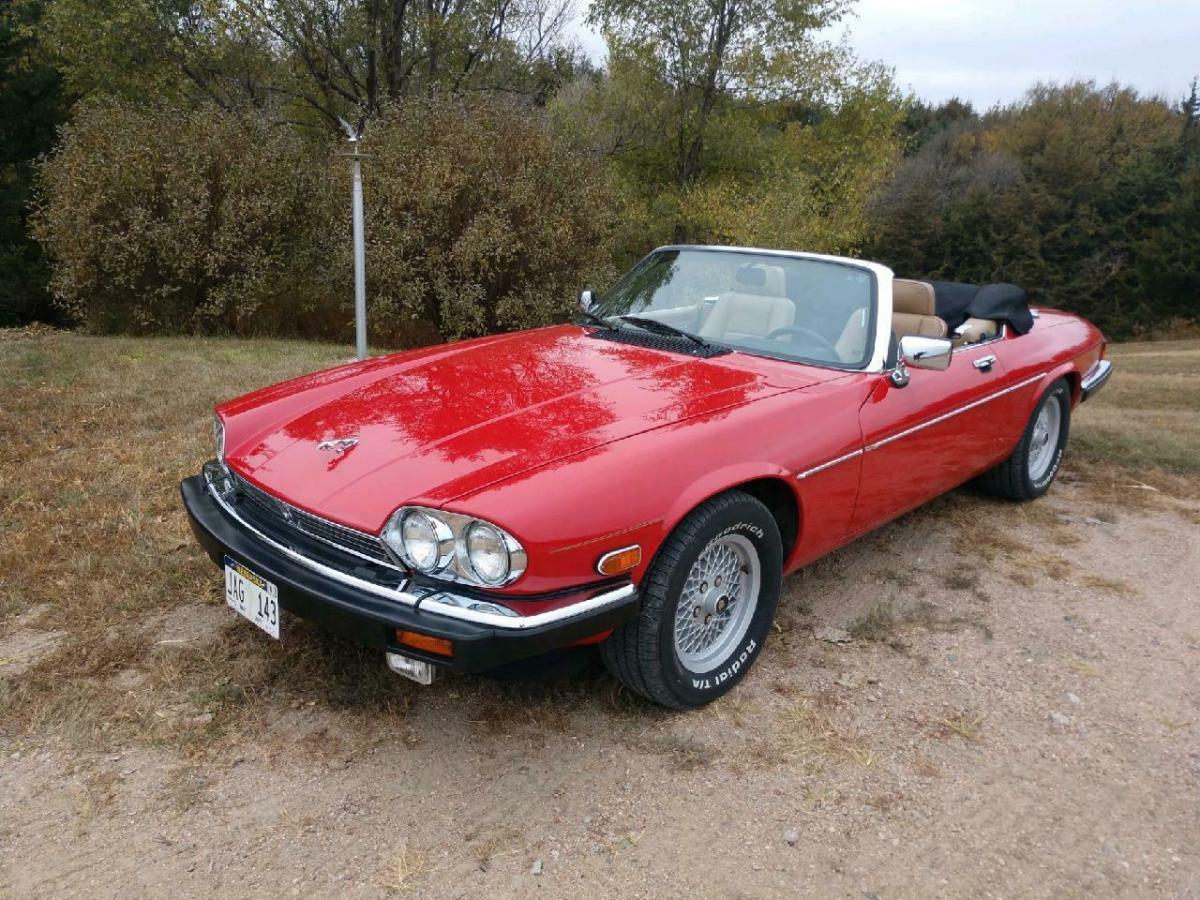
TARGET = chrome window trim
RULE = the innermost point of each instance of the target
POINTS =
(999, 336)
(920, 426)
(429, 601)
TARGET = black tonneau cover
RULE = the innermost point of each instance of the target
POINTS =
(956, 302)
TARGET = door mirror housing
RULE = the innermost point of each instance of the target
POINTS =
(587, 299)
(926, 352)
(921, 352)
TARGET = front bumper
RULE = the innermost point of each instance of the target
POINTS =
(370, 613)
(1094, 379)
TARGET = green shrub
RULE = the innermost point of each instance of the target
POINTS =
(161, 220)
(478, 220)
(1088, 196)
(168, 221)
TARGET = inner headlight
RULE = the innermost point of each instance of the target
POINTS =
(487, 553)
(454, 547)
(424, 541)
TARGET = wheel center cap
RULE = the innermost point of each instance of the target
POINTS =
(714, 601)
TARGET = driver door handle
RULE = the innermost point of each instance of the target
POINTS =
(985, 363)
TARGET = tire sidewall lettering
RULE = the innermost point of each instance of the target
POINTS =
(1056, 394)
(707, 682)
(704, 686)
(748, 527)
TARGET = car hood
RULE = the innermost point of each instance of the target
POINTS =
(436, 424)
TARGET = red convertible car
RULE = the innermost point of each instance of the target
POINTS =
(642, 479)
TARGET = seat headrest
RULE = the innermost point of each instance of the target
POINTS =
(766, 281)
(915, 297)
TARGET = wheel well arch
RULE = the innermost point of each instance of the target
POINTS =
(1073, 382)
(772, 491)
(771, 486)
(779, 498)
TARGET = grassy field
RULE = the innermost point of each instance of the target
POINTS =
(95, 551)
(1148, 416)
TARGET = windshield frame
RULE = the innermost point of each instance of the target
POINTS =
(876, 350)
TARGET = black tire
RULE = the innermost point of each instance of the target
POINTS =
(1012, 479)
(642, 654)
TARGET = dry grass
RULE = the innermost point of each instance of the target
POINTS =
(1104, 583)
(1148, 415)
(1085, 668)
(885, 622)
(406, 867)
(963, 723)
(808, 735)
(99, 431)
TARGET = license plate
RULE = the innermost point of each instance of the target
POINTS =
(253, 596)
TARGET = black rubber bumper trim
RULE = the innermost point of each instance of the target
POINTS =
(372, 620)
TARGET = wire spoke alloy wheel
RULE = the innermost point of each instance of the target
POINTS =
(1044, 442)
(717, 603)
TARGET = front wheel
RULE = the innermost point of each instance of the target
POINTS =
(708, 601)
(1029, 471)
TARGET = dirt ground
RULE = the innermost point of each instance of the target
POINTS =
(1016, 713)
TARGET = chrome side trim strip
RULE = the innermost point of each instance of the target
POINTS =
(915, 428)
(422, 602)
(826, 465)
(950, 415)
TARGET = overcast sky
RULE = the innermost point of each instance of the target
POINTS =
(989, 52)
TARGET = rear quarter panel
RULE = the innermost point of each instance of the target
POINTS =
(1060, 345)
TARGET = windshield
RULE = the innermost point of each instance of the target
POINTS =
(811, 310)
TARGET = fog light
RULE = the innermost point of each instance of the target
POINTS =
(425, 642)
(419, 671)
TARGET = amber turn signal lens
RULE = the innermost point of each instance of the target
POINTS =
(425, 642)
(618, 561)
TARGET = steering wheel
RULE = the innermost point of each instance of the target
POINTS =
(823, 342)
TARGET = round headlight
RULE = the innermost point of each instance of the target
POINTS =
(487, 551)
(427, 543)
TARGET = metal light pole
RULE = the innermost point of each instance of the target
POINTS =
(360, 248)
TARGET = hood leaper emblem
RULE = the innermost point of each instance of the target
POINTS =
(338, 445)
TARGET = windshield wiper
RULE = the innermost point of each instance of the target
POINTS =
(589, 316)
(663, 328)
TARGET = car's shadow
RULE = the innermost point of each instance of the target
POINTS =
(312, 667)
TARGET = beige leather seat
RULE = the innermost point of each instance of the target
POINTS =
(851, 345)
(757, 306)
(973, 331)
(914, 310)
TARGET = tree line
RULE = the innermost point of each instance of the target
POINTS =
(173, 166)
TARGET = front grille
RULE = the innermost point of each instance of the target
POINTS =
(284, 517)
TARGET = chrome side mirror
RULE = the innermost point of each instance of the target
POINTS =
(921, 352)
(587, 299)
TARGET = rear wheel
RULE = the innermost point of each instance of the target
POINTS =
(1030, 470)
(708, 601)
